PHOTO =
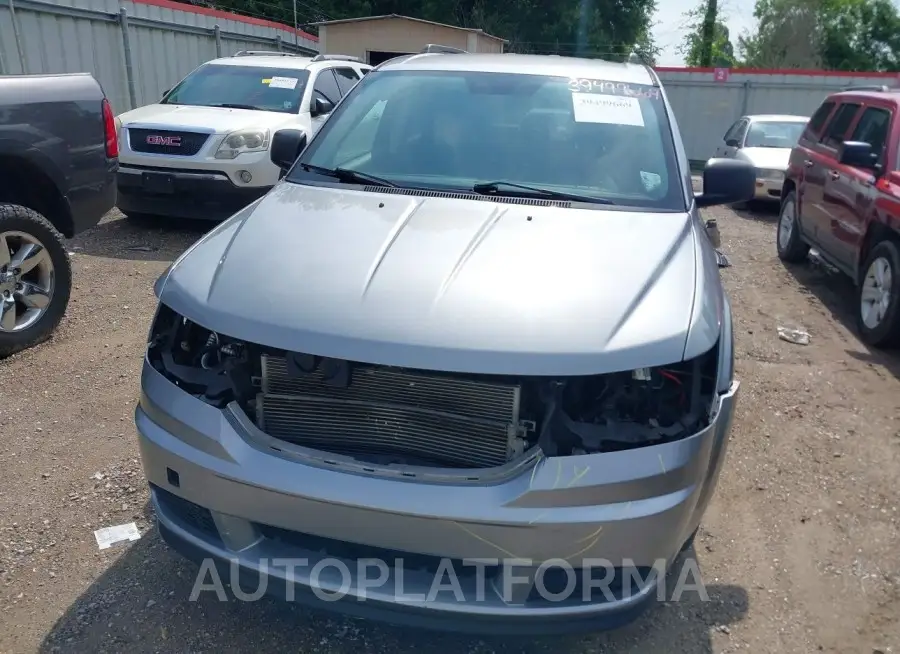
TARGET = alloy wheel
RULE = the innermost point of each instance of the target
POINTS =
(786, 225)
(26, 281)
(875, 298)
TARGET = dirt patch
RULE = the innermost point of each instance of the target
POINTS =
(798, 549)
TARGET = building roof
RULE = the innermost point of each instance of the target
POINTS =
(415, 20)
(526, 65)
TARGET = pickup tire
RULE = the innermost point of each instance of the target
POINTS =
(791, 246)
(16, 221)
(878, 296)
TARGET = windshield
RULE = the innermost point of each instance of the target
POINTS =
(462, 130)
(247, 87)
(771, 134)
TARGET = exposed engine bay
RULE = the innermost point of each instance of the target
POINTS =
(392, 416)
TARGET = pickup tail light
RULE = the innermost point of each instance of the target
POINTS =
(109, 130)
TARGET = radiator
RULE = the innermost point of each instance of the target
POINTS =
(391, 414)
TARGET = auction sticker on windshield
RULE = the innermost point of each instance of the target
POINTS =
(283, 83)
(609, 109)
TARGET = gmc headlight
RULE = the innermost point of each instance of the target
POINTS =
(245, 140)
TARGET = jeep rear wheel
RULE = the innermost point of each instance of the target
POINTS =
(878, 305)
(791, 247)
(35, 278)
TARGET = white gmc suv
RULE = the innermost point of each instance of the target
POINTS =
(202, 151)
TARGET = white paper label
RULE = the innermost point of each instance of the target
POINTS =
(283, 83)
(111, 535)
(609, 109)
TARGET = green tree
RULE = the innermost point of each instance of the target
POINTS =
(691, 47)
(850, 35)
(645, 48)
(606, 28)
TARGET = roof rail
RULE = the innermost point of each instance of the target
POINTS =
(264, 53)
(445, 49)
(336, 57)
(883, 88)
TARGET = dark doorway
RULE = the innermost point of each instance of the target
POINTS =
(376, 57)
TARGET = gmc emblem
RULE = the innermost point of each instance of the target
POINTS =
(172, 141)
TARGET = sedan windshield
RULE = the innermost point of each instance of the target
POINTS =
(502, 134)
(241, 87)
(771, 134)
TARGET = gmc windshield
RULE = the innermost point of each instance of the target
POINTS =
(241, 87)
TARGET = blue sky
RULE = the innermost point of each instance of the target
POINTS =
(669, 30)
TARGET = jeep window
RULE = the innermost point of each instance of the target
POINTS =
(837, 128)
(773, 134)
(250, 87)
(872, 128)
(326, 86)
(449, 130)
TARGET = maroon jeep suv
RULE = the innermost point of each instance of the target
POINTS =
(841, 196)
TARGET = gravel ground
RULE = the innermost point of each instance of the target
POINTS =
(798, 550)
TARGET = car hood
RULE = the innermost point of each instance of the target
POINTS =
(774, 158)
(453, 284)
(168, 116)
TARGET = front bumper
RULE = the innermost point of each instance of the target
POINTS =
(769, 188)
(221, 494)
(203, 195)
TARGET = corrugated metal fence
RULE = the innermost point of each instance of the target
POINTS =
(705, 108)
(139, 48)
(135, 48)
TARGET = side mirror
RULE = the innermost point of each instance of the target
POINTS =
(287, 144)
(732, 143)
(726, 181)
(320, 106)
(166, 92)
(857, 154)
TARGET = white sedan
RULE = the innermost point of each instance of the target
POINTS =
(766, 142)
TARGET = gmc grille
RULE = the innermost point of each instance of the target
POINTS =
(158, 141)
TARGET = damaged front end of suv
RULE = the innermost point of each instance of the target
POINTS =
(260, 441)
(390, 416)
(504, 379)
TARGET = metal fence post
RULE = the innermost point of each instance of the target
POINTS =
(129, 69)
(218, 34)
(23, 62)
(745, 98)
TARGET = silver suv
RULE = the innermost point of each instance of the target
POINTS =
(468, 365)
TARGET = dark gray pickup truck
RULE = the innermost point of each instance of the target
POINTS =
(58, 160)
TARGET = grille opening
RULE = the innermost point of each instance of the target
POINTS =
(385, 416)
(189, 514)
(353, 552)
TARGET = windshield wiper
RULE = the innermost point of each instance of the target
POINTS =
(348, 176)
(493, 188)
(230, 105)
